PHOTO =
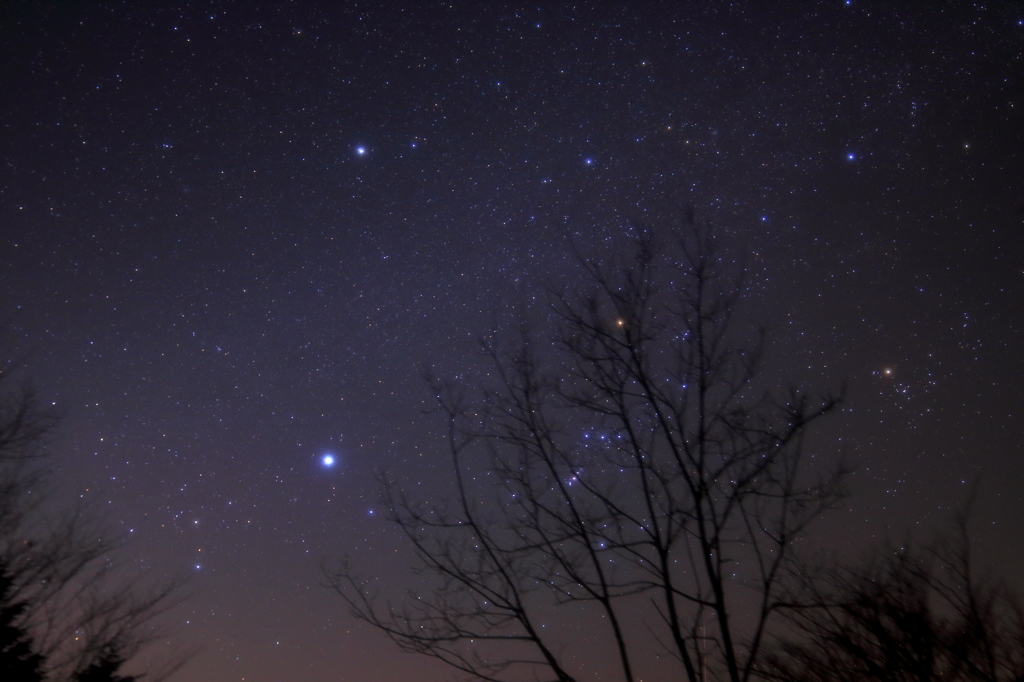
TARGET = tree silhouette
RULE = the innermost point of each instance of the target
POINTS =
(67, 609)
(630, 464)
(906, 614)
(18, 661)
(104, 669)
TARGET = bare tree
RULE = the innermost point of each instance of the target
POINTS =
(908, 614)
(629, 463)
(76, 606)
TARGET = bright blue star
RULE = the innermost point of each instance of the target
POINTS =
(851, 156)
(327, 461)
(361, 151)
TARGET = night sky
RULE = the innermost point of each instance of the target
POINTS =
(233, 235)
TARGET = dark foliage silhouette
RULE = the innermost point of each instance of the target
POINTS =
(906, 614)
(18, 661)
(105, 669)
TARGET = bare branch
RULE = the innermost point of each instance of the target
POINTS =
(627, 463)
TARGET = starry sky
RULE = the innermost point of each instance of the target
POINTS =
(233, 234)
